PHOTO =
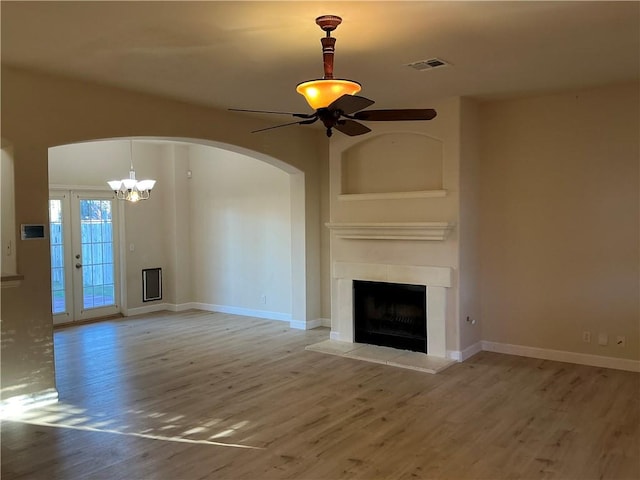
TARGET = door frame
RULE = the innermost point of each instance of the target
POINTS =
(65, 199)
(118, 222)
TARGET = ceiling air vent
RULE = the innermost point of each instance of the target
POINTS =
(428, 64)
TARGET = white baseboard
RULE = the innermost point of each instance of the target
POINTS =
(182, 307)
(468, 352)
(563, 356)
(302, 325)
(247, 312)
(208, 307)
(21, 403)
(156, 307)
(325, 322)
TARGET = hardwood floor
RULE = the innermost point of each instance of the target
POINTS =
(199, 395)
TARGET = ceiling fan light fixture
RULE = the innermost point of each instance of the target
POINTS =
(323, 92)
(335, 101)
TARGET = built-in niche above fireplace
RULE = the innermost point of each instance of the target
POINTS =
(390, 315)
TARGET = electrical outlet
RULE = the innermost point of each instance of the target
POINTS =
(586, 336)
(603, 339)
(263, 299)
(621, 341)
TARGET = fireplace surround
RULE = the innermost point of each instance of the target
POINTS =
(435, 279)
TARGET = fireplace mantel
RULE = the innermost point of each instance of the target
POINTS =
(392, 231)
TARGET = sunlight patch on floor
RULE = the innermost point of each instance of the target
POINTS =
(149, 425)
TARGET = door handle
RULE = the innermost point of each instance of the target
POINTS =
(78, 265)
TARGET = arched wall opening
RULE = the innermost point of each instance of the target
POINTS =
(225, 224)
(40, 111)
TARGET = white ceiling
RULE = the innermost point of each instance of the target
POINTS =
(252, 54)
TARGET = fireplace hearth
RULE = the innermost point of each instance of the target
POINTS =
(390, 315)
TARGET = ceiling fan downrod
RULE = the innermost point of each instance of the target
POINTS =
(328, 23)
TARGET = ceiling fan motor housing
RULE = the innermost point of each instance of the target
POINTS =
(328, 23)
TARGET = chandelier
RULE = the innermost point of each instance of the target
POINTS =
(131, 189)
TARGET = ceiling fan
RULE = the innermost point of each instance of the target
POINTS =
(334, 100)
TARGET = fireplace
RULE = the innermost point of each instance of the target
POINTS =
(437, 280)
(390, 315)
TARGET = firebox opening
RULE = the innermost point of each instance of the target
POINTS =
(390, 315)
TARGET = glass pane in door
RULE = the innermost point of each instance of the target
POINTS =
(96, 230)
(56, 236)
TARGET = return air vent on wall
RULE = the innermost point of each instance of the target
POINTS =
(428, 64)
(151, 284)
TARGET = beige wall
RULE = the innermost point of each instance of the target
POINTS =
(41, 111)
(325, 239)
(559, 220)
(240, 232)
(177, 225)
(469, 224)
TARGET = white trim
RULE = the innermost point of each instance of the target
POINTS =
(156, 307)
(302, 325)
(325, 322)
(335, 336)
(424, 231)
(21, 403)
(172, 307)
(462, 355)
(299, 325)
(182, 307)
(470, 351)
(392, 195)
(247, 312)
(378, 272)
(563, 356)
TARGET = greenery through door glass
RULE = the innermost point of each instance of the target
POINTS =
(96, 236)
(96, 240)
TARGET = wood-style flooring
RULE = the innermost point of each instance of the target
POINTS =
(198, 395)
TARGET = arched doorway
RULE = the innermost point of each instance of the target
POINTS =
(170, 228)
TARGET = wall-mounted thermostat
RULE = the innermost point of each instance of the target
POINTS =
(31, 231)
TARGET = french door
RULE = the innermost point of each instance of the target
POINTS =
(84, 255)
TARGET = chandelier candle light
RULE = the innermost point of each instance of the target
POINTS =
(131, 189)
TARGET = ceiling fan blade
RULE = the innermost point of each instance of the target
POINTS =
(298, 115)
(350, 103)
(303, 122)
(396, 115)
(351, 128)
